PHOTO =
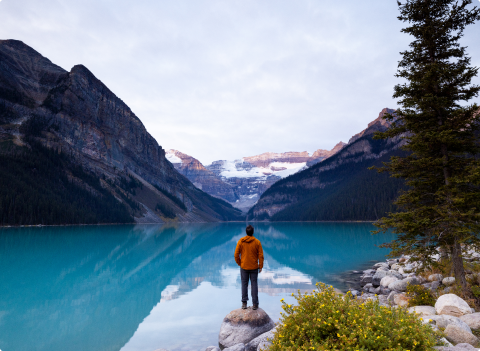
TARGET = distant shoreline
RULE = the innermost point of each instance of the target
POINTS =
(102, 224)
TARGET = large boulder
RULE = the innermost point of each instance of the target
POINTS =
(458, 347)
(242, 326)
(472, 320)
(385, 282)
(401, 285)
(393, 273)
(422, 310)
(444, 320)
(377, 278)
(253, 345)
(452, 305)
(457, 335)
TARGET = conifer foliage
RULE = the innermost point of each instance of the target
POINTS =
(440, 208)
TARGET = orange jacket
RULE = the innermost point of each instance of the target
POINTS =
(249, 253)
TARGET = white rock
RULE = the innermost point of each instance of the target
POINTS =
(212, 348)
(393, 273)
(448, 281)
(264, 338)
(444, 320)
(452, 305)
(472, 320)
(400, 299)
(422, 310)
(395, 266)
(387, 280)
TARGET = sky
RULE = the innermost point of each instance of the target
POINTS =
(224, 79)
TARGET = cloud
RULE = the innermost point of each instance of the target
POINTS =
(222, 80)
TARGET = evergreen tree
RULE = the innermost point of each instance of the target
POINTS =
(440, 208)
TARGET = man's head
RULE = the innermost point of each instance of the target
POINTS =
(249, 230)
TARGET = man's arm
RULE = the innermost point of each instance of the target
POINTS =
(260, 256)
(237, 253)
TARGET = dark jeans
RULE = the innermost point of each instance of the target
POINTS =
(245, 275)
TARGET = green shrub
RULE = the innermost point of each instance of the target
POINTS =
(419, 296)
(326, 321)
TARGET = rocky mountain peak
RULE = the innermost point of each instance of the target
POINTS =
(377, 125)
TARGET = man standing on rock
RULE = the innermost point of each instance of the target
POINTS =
(249, 256)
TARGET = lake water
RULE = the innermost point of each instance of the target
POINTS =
(141, 288)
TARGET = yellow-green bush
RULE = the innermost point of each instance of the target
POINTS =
(419, 296)
(326, 321)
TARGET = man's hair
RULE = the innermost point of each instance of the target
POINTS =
(249, 230)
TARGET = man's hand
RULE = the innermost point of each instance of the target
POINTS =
(259, 270)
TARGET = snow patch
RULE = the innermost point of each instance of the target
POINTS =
(172, 158)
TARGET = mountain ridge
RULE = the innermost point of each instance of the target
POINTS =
(75, 114)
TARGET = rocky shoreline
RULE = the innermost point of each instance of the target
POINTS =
(385, 282)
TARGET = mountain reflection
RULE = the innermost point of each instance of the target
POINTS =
(91, 287)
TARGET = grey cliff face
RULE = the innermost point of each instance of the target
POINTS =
(90, 123)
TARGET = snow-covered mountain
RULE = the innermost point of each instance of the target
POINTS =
(242, 182)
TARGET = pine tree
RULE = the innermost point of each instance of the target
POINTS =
(440, 208)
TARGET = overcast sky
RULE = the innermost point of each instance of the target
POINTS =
(223, 79)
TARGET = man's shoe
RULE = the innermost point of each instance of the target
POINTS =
(255, 307)
(244, 305)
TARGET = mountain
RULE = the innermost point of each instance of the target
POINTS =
(340, 187)
(100, 152)
(242, 182)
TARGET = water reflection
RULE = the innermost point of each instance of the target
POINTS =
(146, 287)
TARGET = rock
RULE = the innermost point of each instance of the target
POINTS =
(367, 287)
(448, 281)
(400, 299)
(402, 259)
(242, 326)
(367, 278)
(253, 345)
(380, 264)
(401, 285)
(435, 285)
(452, 305)
(237, 347)
(378, 277)
(391, 297)
(457, 335)
(370, 271)
(393, 273)
(472, 320)
(212, 348)
(383, 268)
(263, 346)
(385, 282)
(442, 321)
(408, 268)
(423, 310)
(355, 293)
(385, 291)
(395, 266)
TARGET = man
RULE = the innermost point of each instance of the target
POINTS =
(249, 256)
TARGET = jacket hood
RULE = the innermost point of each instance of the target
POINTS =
(248, 239)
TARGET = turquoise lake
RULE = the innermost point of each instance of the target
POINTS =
(145, 287)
